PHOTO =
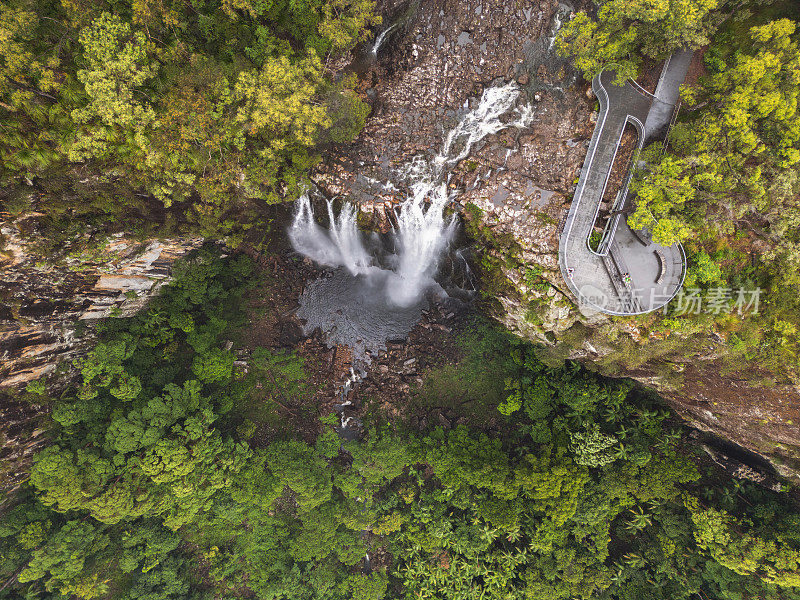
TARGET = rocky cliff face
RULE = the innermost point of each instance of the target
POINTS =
(41, 306)
(44, 307)
(516, 189)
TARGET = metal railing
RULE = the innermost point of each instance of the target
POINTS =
(628, 303)
(640, 89)
(672, 121)
(610, 230)
(618, 205)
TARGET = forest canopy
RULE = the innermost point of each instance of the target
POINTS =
(213, 105)
(154, 485)
(625, 32)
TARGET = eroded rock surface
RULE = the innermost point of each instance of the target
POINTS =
(429, 71)
(41, 305)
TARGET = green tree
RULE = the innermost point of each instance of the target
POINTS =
(297, 466)
(64, 563)
(118, 62)
(592, 448)
(662, 191)
(214, 365)
(367, 587)
(774, 559)
(208, 110)
(624, 30)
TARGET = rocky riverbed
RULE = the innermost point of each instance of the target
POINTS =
(429, 70)
(428, 73)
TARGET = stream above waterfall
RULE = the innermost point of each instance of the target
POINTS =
(379, 287)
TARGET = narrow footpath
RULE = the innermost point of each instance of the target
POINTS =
(628, 274)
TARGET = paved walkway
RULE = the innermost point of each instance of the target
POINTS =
(667, 90)
(633, 275)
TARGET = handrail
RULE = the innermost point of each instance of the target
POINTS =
(626, 303)
(639, 88)
(672, 122)
(611, 224)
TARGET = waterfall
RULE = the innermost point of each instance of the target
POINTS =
(421, 235)
(381, 36)
(423, 231)
(562, 10)
(339, 246)
(482, 121)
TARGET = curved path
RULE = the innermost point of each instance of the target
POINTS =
(630, 274)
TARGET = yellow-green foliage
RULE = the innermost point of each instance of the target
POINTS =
(626, 29)
(773, 559)
(214, 104)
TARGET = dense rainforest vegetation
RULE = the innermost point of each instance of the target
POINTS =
(210, 108)
(154, 486)
(728, 182)
(194, 116)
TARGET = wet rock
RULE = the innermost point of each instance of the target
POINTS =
(430, 73)
(41, 305)
(757, 473)
(290, 333)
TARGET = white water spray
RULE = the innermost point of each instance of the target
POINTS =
(562, 10)
(423, 232)
(382, 36)
(339, 246)
(482, 121)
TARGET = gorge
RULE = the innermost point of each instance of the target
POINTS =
(286, 311)
(392, 281)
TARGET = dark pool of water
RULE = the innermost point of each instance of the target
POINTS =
(353, 311)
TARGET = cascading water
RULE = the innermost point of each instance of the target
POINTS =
(556, 27)
(423, 233)
(482, 121)
(340, 246)
(421, 236)
(384, 299)
(382, 36)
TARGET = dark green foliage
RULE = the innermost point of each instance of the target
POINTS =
(367, 587)
(476, 384)
(152, 448)
(587, 502)
(165, 581)
(135, 454)
(65, 562)
(581, 491)
(625, 30)
(146, 546)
